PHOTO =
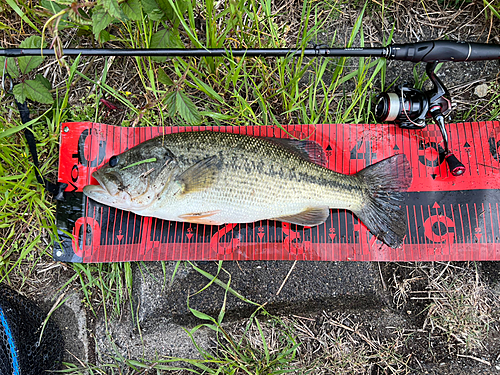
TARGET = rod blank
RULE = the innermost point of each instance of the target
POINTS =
(276, 52)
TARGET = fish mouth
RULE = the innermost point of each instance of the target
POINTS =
(110, 182)
(108, 192)
(90, 190)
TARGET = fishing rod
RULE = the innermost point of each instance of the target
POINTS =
(407, 106)
(429, 51)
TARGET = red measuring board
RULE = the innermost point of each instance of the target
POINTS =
(449, 218)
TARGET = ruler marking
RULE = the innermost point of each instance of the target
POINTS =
(490, 131)
(455, 242)
(496, 240)
(120, 245)
(182, 238)
(170, 249)
(447, 233)
(473, 149)
(353, 250)
(458, 142)
(489, 243)
(464, 240)
(134, 216)
(115, 136)
(481, 149)
(485, 230)
(332, 229)
(94, 248)
(127, 222)
(470, 231)
(469, 169)
(408, 239)
(152, 236)
(439, 230)
(143, 237)
(106, 237)
(176, 251)
(110, 241)
(478, 226)
(498, 221)
(416, 225)
(203, 246)
(425, 236)
(160, 237)
(344, 252)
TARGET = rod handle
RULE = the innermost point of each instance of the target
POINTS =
(444, 50)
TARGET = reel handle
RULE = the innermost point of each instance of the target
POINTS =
(456, 167)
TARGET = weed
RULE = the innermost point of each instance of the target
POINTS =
(462, 307)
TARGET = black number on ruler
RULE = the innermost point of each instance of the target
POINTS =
(494, 145)
(367, 156)
(98, 159)
(424, 157)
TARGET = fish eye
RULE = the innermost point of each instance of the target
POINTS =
(113, 161)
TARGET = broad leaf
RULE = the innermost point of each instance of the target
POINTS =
(100, 20)
(104, 36)
(164, 78)
(153, 10)
(33, 90)
(167, 9)
(170, 102)
(52, 6)
(28, 63)
(165, 39)
(44, 81)
(20, 93)
(187, 109)
(11, 66)
(132, 9)
(113, 9)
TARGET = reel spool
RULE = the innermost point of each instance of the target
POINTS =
(409, 108)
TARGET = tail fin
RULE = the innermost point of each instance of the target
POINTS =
(386, 183)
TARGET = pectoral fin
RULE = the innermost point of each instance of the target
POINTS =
(199, 176)
(309, 217)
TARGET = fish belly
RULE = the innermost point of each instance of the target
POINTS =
(249, 199)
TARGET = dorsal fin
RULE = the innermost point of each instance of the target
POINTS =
(308, 150)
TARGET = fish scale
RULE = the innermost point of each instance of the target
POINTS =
(215, 178)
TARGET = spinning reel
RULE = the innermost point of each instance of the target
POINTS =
(409, 108)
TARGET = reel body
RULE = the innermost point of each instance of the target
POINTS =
(409, 108)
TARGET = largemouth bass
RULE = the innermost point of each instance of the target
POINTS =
(214, 178)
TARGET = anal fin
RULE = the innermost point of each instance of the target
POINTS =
(309, 217)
